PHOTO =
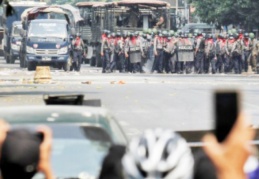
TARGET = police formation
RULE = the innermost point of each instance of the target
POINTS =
(154, 51)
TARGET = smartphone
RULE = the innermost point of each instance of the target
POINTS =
(226, 112)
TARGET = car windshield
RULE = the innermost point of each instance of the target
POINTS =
(73, 150)
(49, 29)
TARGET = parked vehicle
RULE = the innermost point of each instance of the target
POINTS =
(47, 42)
(19, 7)
(202, 27)
(15, 41)
(80, 135)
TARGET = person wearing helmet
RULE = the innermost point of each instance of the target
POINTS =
(169, 51)
(120, 53)
(255, 56)
(134, 51)
(229, 46)
(105, 52)
(78, 48)
(155, 31)
(149, 53)
(248, 45)
(184, 53)
(240, 34)
(199, 53)
(210, 56)
(159, 43)
(158, 154)
(236, 52)
(220, 45)
(113, 58)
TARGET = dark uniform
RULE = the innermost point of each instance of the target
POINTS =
(105, 53)
(248, 45)
(169, 50)
(78, 46)
(200, 54)
(237, 56)
(120, 51)
(113, 53)
(210, 56)
(229, 46)
(134, 50)
(159, 44)
(221, 64)
(255, 54)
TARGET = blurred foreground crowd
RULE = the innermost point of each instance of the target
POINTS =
(180, 52)
(155, 154)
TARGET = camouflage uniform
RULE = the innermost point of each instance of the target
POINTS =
(255, 54)
(229, 47)
(247, 52)
(237, 56)
(200, 55)
(222, 63)
(210, 56)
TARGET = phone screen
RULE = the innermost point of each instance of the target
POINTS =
(226, 112)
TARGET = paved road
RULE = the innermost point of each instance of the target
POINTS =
(180, 102)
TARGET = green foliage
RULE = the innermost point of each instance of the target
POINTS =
(228, 12)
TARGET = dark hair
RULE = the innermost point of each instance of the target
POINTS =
(112, 167)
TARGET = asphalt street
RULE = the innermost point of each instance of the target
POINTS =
(138, 101)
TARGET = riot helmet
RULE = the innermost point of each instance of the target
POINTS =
(118, 34)
(252, 35)
(165, 34)
(113, 34)
(155, 31)
(240, 31)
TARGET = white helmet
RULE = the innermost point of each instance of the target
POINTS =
(158, 154)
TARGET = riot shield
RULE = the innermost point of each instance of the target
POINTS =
(185, 53)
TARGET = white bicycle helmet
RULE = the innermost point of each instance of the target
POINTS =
(158, 154)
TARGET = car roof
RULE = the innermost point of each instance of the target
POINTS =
(49, 20)
(43, 114)
(64, 115)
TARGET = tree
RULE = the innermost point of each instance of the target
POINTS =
(226, 12)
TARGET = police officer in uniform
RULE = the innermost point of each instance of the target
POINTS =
(255, 54)
(229, 46)
(78, 46)
(113, 57)
(159, 53)
(105, 51)
(200, 53)
(169, 50)
(237, 55)
(210, 55)
(134, 51)
(247, 51)
(120, 50)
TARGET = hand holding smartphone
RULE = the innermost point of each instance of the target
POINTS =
(226, 109)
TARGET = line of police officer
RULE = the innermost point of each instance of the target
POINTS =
(177, 52)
